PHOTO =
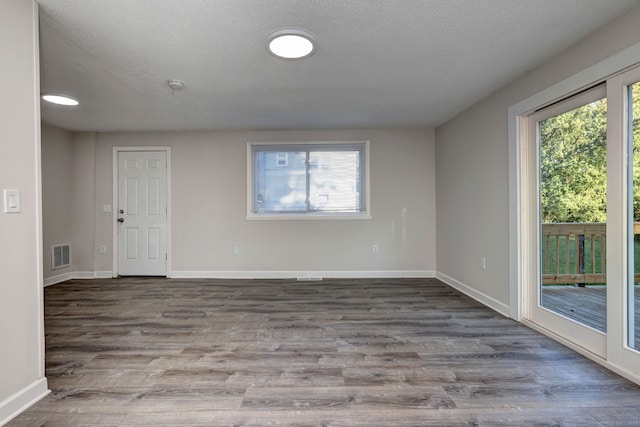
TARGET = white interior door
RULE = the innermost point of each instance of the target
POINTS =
(142, 213)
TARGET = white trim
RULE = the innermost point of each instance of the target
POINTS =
(374, 274)
(481, 297)
(59, 278)
(84, 275)
(39, 243)
(256, 274)
(115, 243)
(18, 402)
(80, 275)
(308, 216)
(103, 275)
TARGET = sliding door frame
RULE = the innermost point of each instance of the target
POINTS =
(618, 350)
(585, 336)
(520, 267)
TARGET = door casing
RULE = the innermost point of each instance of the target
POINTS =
(115, 243)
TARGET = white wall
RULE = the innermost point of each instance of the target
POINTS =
(83, 202)
(209, 206)
(472, 196)
(21, 321)
(57, 194)
(68, 200)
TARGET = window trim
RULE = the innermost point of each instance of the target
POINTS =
(363, 214)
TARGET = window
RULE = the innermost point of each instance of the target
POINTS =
(308, 180)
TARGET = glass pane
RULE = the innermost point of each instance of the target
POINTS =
(634, 214)
(281, 181)
(573, 213)
(334, 178)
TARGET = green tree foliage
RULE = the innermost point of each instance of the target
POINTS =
(635, 125)
(573, 175)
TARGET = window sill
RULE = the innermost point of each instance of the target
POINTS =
(308, 216)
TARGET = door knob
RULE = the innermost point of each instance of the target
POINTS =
(120, 219)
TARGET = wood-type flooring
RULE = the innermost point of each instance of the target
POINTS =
(366, 352)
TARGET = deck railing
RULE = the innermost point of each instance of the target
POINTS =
(575, 253)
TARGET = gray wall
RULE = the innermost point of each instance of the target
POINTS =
(21, 322)
(209, 205)
(472, 193)
(57, 193)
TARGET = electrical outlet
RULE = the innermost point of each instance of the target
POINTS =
(103, 249)
(483, 263)
(236, 250)
(375, 249)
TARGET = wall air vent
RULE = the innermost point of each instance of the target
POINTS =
(60, 256)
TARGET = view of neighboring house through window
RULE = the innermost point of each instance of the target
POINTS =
(307, 178)
(282, 159)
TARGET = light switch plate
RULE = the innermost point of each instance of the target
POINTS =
(12, 201)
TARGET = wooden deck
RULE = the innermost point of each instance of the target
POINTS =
(586, 305)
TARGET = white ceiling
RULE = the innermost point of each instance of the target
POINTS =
(379, 63)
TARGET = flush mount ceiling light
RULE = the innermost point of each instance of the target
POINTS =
(175, 85)
(291, 44)
(60, 99)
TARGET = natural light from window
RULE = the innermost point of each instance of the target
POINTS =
(307, 180)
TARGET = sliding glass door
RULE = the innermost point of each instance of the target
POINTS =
(623, 203)
(580, 220)
(569, 163)
(632, 102)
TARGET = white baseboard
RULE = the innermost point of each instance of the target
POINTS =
(102, 274)
(48, 281)
(82, 275)
(476, 295)
(372, 274)
(18, 402)
(395, 274)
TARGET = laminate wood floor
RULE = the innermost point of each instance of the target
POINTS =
(398, 352)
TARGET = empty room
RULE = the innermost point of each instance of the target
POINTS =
(339, 212)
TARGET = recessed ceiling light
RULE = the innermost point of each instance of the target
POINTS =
(60, 99)
(291, 44)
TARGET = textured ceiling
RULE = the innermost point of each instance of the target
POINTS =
(379, 63)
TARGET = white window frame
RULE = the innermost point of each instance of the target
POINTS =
(365, 213)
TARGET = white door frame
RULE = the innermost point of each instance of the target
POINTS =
(518, 189)
(115, 245)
